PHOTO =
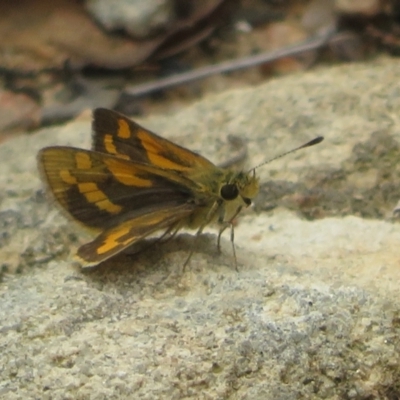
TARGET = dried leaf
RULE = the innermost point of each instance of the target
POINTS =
(43, 34)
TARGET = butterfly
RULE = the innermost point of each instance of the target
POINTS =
(134, 184)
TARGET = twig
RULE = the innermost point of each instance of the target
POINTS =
(227, 66)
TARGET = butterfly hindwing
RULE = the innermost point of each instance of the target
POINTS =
(114, 240)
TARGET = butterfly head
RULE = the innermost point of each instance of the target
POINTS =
(242, 187)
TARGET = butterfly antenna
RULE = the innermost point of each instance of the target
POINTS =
(312, 142)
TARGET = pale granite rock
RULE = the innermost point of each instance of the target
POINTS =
(312, 312)
(137, 17)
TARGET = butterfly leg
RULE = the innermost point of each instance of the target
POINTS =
(165, 237)
(233, 246)
(198, 233)
(226, 225)
(221, 231)
(170, 233)
(210, 215)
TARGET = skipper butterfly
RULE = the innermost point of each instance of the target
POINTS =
(134, 183)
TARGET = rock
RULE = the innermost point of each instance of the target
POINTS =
(366, 8)
(312, 311)
(139, 18)
(17, 112)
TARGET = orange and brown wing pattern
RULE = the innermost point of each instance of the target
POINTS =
(115, 134)
(101, 191)
(131, 231)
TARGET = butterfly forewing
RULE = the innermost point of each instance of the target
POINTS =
(100, 190)
(115, 134)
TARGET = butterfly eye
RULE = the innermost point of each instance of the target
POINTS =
(229, 191)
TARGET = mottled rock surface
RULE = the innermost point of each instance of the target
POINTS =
(312, 312)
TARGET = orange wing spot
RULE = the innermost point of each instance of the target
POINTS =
(88, 187)
(95, 196)
(83, 161)
(110, 147)
(163, 162)
(66, 177)
(123, 129)
(108, 206)
(154, 151)
(125, 173)
(112, 242)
